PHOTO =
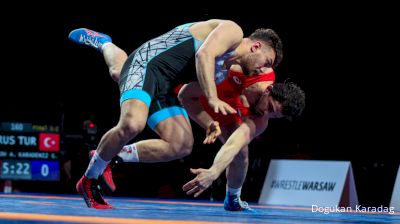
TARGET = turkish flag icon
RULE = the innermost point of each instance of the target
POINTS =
(49, 142)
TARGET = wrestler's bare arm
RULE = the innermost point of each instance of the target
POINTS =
(240, 138)
(226, 36)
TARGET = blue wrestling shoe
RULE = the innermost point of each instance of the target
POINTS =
(89, 37)
(233, 203)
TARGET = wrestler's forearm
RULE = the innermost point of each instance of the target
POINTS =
(239, 139)
(205, 65)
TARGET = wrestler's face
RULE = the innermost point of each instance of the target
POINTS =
(259, 58)
(269, 106)
(254, 91)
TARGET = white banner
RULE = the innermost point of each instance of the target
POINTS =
(395, 202)
(308, 183)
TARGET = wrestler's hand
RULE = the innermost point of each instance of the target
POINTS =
(200, 183)
(220, 106)
(212, 133)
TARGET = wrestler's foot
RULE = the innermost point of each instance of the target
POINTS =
(89, 37)
(234, 203)
(90, 191)
(106, 178)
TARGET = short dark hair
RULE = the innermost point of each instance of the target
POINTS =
(271, 38)
(291, 97)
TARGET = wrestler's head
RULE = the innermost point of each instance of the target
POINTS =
(265, 52)
(281, 100)
(255, 85)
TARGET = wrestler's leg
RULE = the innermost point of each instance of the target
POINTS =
(235, 174)
(132, 121)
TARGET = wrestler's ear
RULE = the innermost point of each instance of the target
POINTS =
(256, 46)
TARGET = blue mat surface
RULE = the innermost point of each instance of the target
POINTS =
(42, 208)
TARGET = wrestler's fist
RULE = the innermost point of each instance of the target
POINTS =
(212, 133)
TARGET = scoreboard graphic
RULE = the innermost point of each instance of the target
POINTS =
(29, 151)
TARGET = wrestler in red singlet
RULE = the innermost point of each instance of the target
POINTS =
(230, 90)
